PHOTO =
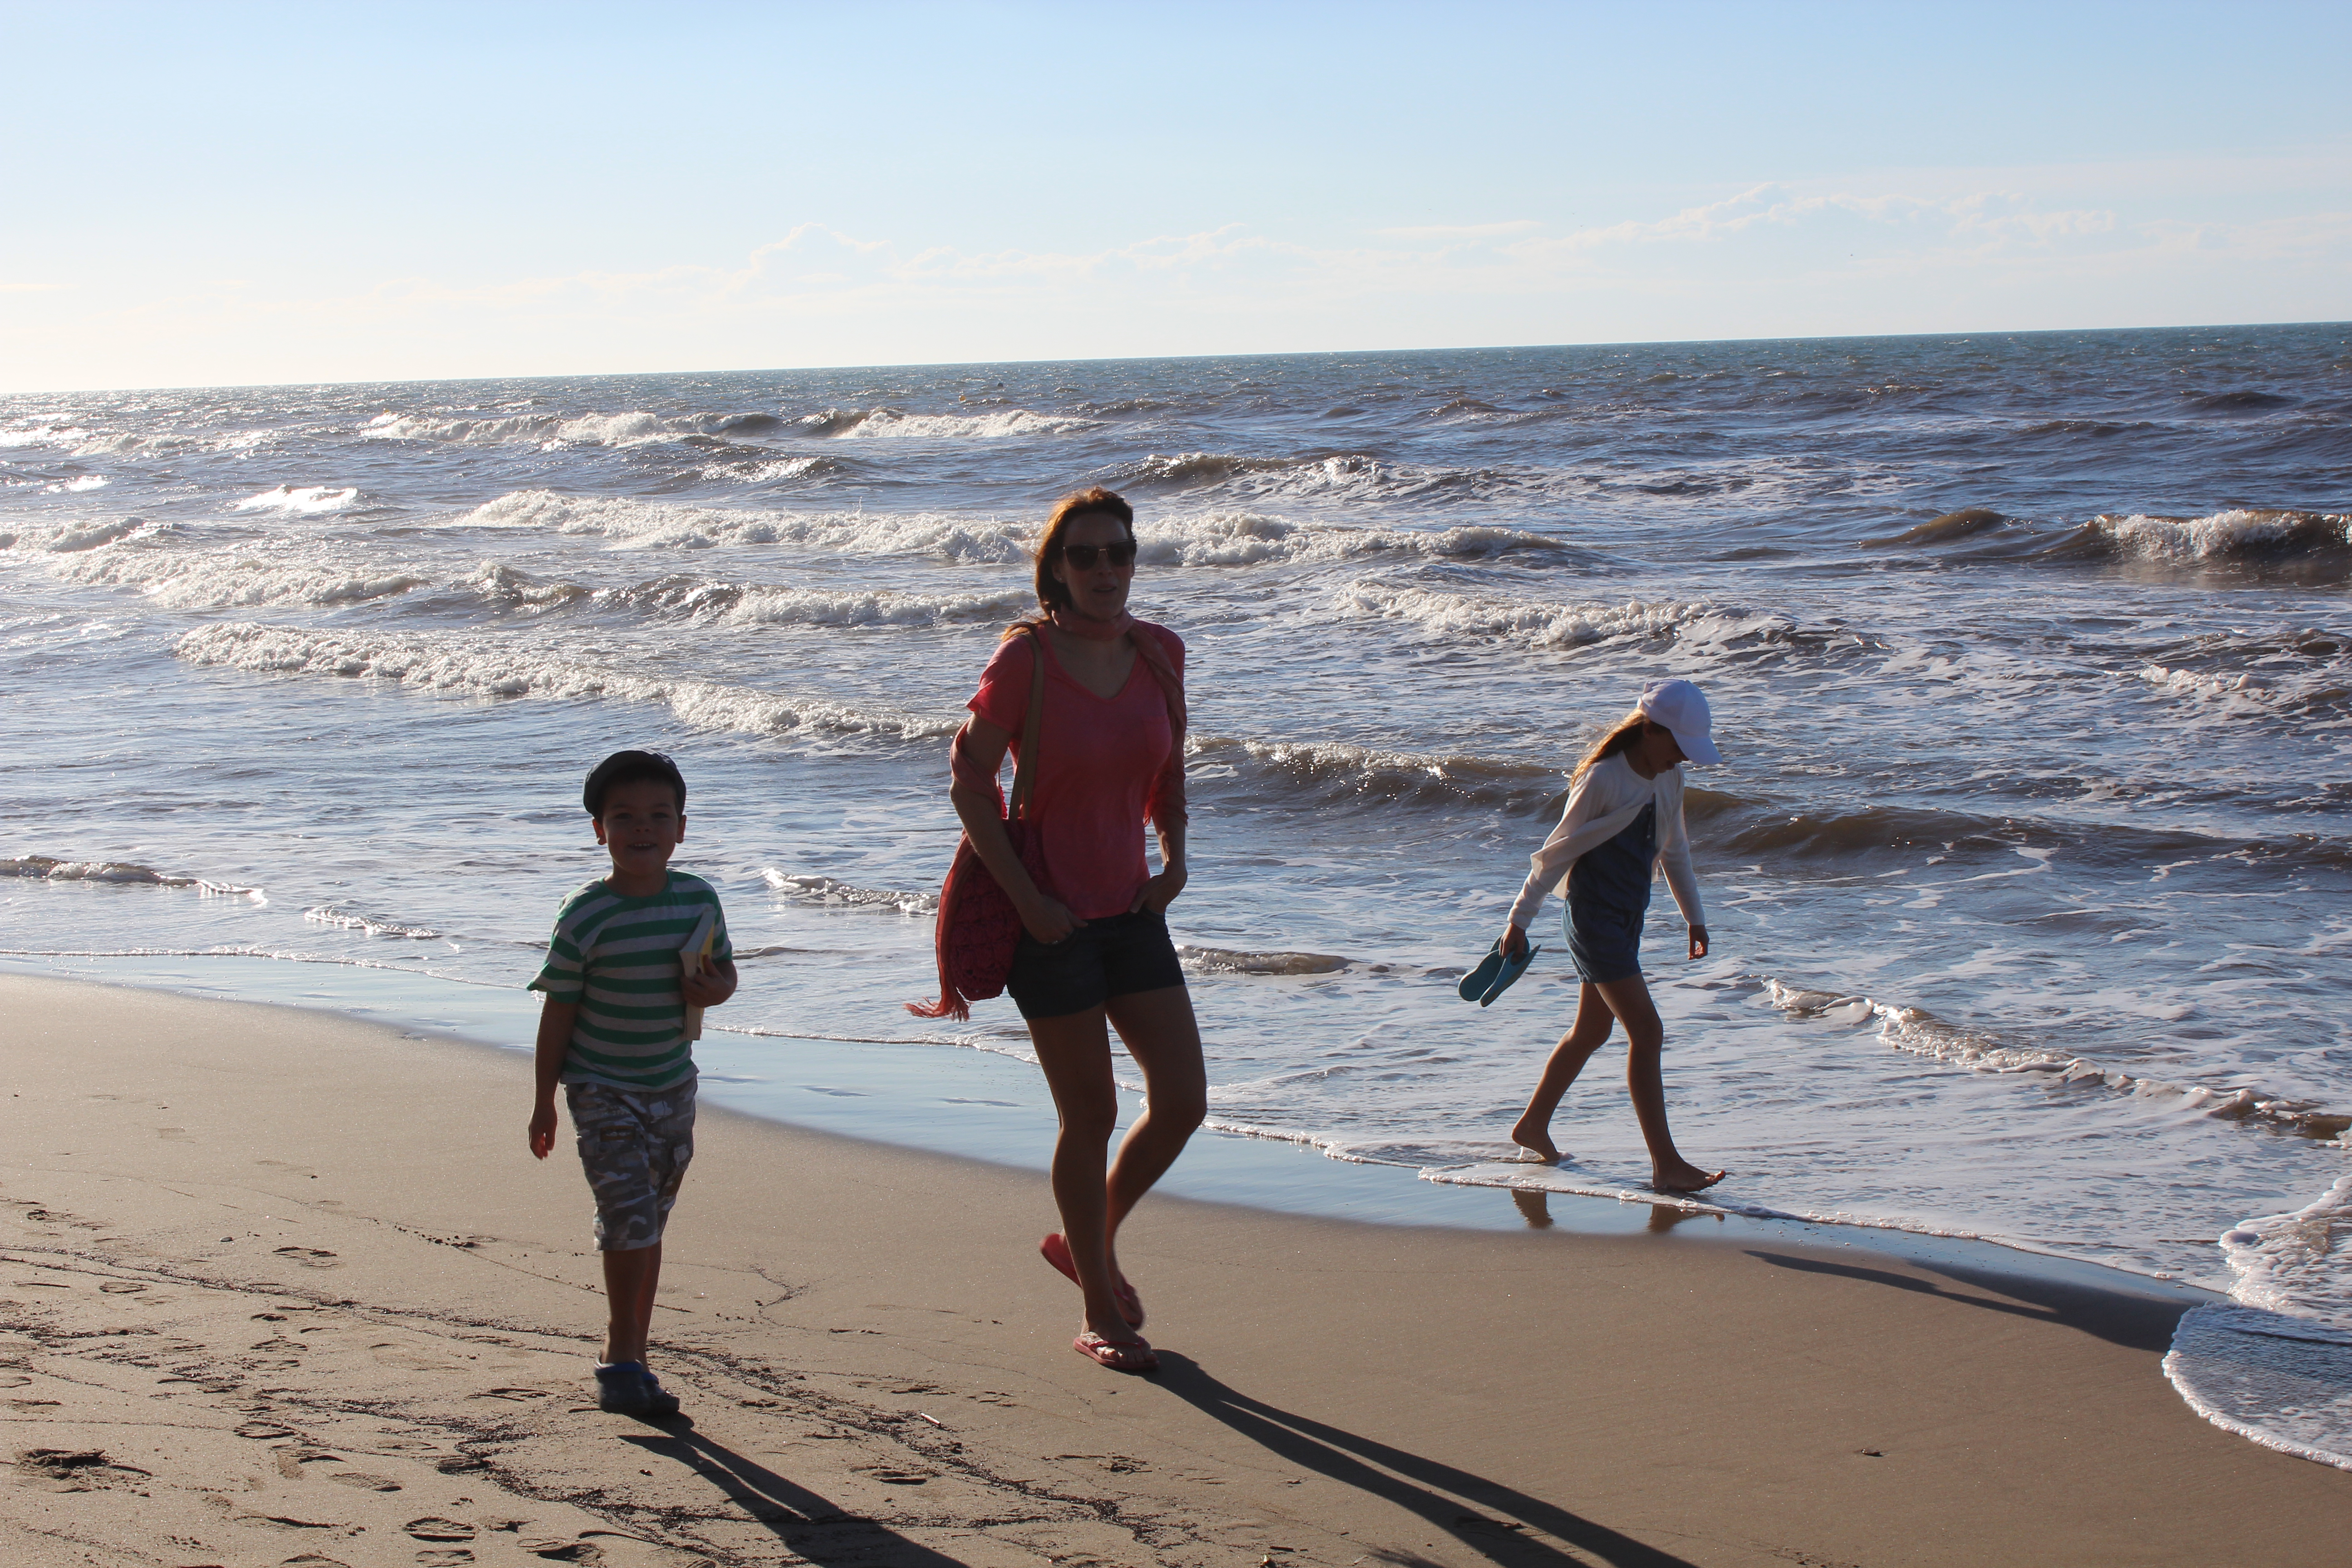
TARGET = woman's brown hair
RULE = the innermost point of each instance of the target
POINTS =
(1622, 734)
(1052, 593)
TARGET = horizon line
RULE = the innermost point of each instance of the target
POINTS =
(1164, 359)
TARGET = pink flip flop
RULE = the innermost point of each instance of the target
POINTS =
(1119, 1355)
(1055, 1250)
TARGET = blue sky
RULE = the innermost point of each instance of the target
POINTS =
(213, 194)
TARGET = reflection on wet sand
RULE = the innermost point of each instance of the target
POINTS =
(1534, 1206)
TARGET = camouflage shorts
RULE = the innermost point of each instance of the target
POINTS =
(634, 1145)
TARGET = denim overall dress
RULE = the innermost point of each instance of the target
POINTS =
(1607, 895)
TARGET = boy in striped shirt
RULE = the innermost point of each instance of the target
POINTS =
(633, 952)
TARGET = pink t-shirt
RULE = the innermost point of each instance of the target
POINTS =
(1096, 759)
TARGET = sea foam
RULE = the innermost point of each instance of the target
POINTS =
(303, 499)
(2276, 1366)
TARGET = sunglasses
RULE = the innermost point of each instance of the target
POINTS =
(1082, 556)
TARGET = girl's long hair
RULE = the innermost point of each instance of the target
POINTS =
(1623, 734)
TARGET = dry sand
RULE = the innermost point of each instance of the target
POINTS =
(278, 1287)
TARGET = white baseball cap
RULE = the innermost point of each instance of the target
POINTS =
(1679, 705)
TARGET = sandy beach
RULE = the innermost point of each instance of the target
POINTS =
(279, 1287)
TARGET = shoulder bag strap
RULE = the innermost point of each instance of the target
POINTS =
(1024, 771)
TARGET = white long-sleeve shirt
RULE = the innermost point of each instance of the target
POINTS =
(1603, 804)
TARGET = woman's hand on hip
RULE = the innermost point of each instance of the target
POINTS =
(1698, 942)
(1050, 921)
(1160, 893)
(1514, 942)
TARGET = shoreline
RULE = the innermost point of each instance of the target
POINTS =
(869, 1088)
(332, 1262)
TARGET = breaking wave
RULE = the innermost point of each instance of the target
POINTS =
(183, 580)
(1331, 773)
(48, 868)
(1207, 540)
(1723, 631)
(1227, 960)
(628, 428)
(367, 924)
(481, 665)
(1323, 476)
(1921, 1033)
(73, 537)
(2240, 536)
(305, 501)
(891, 423)
(831, 893)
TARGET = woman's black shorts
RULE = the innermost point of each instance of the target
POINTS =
(1115, 956)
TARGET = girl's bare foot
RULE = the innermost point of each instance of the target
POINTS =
(1682, 1176)
(1537, 1141)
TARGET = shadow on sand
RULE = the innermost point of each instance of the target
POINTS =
(1485, 1516)
(2137, 1322)
(809, 1525)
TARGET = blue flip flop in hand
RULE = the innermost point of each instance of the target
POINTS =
(1494, 975)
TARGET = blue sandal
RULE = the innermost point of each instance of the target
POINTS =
(1494, 975)
(1473, 985)
(1506, 974)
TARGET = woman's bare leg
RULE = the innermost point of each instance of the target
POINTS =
(1586, 1036)
(1161, 1033)
(1645, 1037)
(1075, 1051)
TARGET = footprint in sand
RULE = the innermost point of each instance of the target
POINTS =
(440, 1530)
(287, 1521)
(313, 1257)
(365, 1482)
(891, 1476)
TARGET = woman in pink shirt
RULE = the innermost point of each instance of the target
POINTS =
(1095, 946)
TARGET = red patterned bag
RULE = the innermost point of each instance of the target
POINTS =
(978, 927)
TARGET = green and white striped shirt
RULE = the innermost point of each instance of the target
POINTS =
(618, 958)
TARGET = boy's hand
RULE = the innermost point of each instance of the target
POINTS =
(1698, 942)
(542, 1130)
(708, 988)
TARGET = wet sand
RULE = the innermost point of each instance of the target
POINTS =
(284, 1287)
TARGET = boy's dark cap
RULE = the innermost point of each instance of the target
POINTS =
(631, 767)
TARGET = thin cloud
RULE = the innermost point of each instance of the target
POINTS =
(1461, 231)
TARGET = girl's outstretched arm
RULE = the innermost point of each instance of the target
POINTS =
(1675, 853)
(1594, 815)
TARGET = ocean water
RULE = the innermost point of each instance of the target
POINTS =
(2027, 870)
